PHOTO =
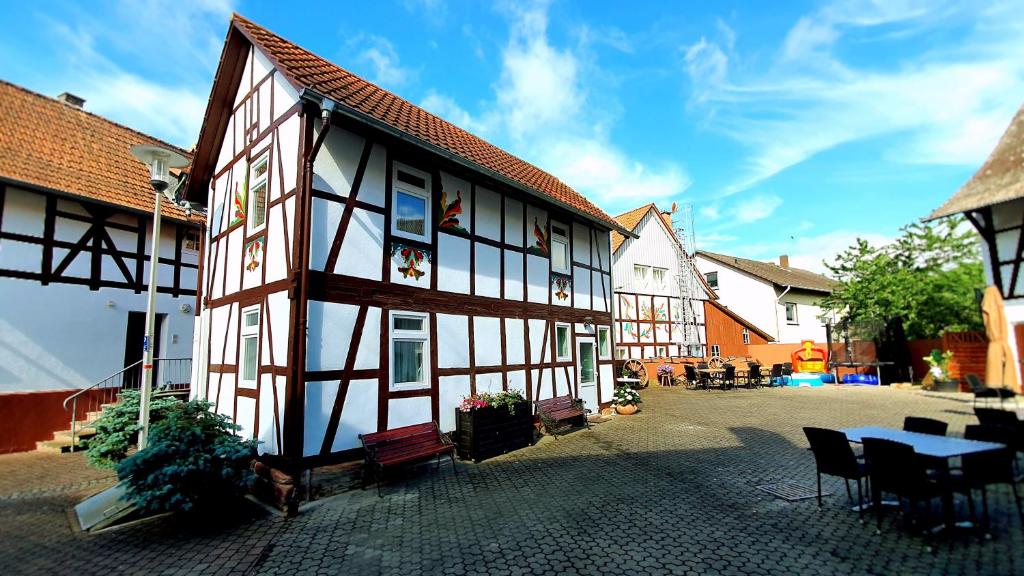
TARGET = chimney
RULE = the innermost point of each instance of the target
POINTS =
(71, 100)
(784, 261)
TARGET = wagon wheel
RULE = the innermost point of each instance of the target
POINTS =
(716, 362)
(637, 368)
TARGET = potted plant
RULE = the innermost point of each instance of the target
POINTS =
(938, 379)
(626, 400)
(665, 375)
(491, 424)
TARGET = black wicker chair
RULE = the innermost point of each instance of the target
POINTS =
(834, 457)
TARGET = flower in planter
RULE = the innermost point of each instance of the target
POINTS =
(626, 396)
(494, 400)
(938, 363)
(665, 370)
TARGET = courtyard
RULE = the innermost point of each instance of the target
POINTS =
(670, 490)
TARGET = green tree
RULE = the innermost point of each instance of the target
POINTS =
(927, 277)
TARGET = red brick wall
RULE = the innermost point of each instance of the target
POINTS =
(725, 331)
(969, 352)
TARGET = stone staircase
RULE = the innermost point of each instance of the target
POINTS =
(62, 440)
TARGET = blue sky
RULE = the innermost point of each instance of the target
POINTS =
(790, 130)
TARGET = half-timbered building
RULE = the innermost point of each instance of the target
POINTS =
(76, 211)
(655, 318)
(993, 202)
(369, 264)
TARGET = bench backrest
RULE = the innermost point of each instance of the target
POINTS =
(557, 403)
(405, 434)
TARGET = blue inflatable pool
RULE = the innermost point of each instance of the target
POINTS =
(862, 379)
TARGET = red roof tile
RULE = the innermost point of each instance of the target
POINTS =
(48, 144)
(307, 70)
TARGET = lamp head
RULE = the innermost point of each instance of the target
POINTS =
(160, 161)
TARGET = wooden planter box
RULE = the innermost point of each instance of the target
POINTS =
(486, 432)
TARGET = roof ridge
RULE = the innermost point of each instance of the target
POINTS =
(52, 100)
(648, 206)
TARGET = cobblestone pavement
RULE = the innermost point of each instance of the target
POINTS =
(670, 490)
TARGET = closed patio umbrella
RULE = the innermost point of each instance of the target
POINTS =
(1000, 368)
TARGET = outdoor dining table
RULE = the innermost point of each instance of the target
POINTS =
(940, 447)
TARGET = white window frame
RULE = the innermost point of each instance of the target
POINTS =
(604, 354)
(408, 336)
(642, 275)
(661, 352)
(746, 336)
(716, 350)
(397, 186)
(796, 317)
(708, 276)
(661, 284)
(249, 333)
(250, 200)
(562, 239)
(620, 352)
(568, 342)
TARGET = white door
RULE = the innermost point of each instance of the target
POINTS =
(586, 372)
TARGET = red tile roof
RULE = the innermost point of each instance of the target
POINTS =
(307, 70)
(48, 144)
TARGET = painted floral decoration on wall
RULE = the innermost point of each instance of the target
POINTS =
(450, 212)
(254, 254)
(238, 210)
(540, 235)
(412, 259)
(561, 286)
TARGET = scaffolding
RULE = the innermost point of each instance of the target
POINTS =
(686, 278)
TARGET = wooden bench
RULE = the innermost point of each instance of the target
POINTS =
(554, 412)
(404, 445)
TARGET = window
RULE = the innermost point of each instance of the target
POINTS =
(658, 274)
(642, 274)
(258, 193)
(562, 342)
(604, 343)
(586, 362)
(696, 351)
(746, 336)
(190, 241)
(559, 248)
(250, 344)
(411, 204)
(662, 352)
(715, 350)
(410, 343)
(791, 313)
(712, 278)
(620, 353)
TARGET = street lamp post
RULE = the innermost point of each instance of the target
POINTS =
(159, 160)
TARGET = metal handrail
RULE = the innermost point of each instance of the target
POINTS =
(106, 390)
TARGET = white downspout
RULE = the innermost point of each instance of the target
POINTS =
(778, 328)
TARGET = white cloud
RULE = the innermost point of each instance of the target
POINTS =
(177, 44)
(809, 252)
(542, 112)
(946, 105)
(710, 212)
(757, 208)
(378, 57)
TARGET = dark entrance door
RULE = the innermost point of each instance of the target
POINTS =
(134, 334)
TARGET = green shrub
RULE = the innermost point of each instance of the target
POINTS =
(117, 429)
(193, 461)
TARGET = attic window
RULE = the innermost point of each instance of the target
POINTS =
(411, 204)
(712, 278)
(559, 248)
(257, 184)
(190, 242)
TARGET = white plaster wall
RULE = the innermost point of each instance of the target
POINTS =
(488, 270)
(513, 222)
(451, 391)
(809, 311)
(320, 397)
(329, 334)
(408, 411)
(487, 338)
(452, 341)
(538, 286)
(751, 298)
(63, 337)
(513, 275)
(359, 416)
(515, 344)
(452, 263)
(488, 214)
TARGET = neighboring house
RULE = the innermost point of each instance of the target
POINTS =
(993, 201)
(370, 264)
(782, 301)
(650, 299)
(76, 209)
